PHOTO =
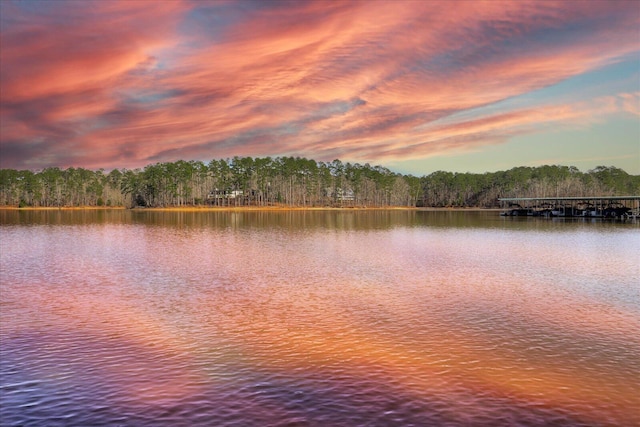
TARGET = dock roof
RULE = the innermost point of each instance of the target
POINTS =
(573, 198)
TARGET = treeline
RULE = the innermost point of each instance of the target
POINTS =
(246, 181)
(483, 190)
(241, 181)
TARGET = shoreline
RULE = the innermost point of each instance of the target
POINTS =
(62, 208)
(249, 208)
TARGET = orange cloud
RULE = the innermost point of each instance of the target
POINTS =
(121, 83)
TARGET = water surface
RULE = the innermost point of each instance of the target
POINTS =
(363, 318)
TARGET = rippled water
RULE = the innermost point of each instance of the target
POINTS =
(382, 318)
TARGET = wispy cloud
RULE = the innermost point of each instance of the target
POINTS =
(112, 84)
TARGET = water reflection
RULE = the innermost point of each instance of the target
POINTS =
(330, 219)
(317, 318)
(308, 219)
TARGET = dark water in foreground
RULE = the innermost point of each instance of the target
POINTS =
(381, 318)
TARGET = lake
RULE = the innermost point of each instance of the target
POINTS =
(317, 318)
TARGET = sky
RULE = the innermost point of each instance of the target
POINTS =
(416, 86)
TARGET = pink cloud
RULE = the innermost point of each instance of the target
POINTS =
(80, 46)
(121, 83)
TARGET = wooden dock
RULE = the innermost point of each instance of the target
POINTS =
(612, 207)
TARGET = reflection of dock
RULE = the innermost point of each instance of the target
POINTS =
(613, 207)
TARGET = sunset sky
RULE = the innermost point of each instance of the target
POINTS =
(416, 86)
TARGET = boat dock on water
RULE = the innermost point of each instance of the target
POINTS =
(612, 207)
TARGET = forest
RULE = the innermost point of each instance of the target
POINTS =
(299, 182)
